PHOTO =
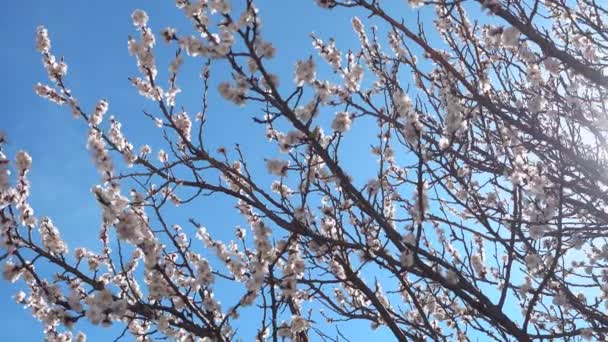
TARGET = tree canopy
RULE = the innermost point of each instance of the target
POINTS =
(485, 215)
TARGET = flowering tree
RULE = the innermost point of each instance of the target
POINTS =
(486, 217)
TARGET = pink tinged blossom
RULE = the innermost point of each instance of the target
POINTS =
(100, 110)
(552, 65)
(444, 143)
(299, 324)
(337, 269)
(146, 89)
(265, 49)
(478, 265)
(11, 272)
(168, 34)
(510, 36)
(51, 239)
(284, 330)
(183, 124)
(533, 261)
(357, 24)
(176, 63)
(407, 258)
(353, 77)
(20, 297)
(329, 52)
(326, 3)
(305, 72)
(23, 161)
(43, 43)
(221, 6)
(342, 122)
(49, 93)
(277, 167)
(140, 18)
(163, 157)
(402, 104)
(373, 186)
(415, 3)
(81, 337)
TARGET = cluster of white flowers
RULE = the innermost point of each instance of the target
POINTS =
(533, 261)
(535, 76)
(55, 69)
(305, 72)
(130, 227)
(277, 167)
(122, 144)
(289, 140)
(329, 52)
(103, 308)
(100, 110)
(11, 272)
(281, 189)
(336, 269)
(19, 194)
(265, 49)
(205, 273)
(200, 13)
(478, 265)
(143, 50)
(235, 94)
(23, 162)
(299, 324)
(146, 89)
(373, 186)
(421, 204)
(403, 109)
(415, 3)
(176, 64)
(342, 122)
(48, 93)
(140, 18)
(326, 3)
(97, 146)
(586, 46)
(402, 104)
(219, 45)
(43, 43)
(264, 251)
(307, 112)
(163, 157)
(293, 269)
(510, 37)
(4, 178)
(235, 262)
(552, 65)
(561, 300)
(536, 103)
(183, 124)
(353, 77)
(51, 239)
(454, 113)
(395, 43)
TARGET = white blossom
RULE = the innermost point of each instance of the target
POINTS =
(342, 122)
(140, 18)
(305, 72)
(277, 167)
